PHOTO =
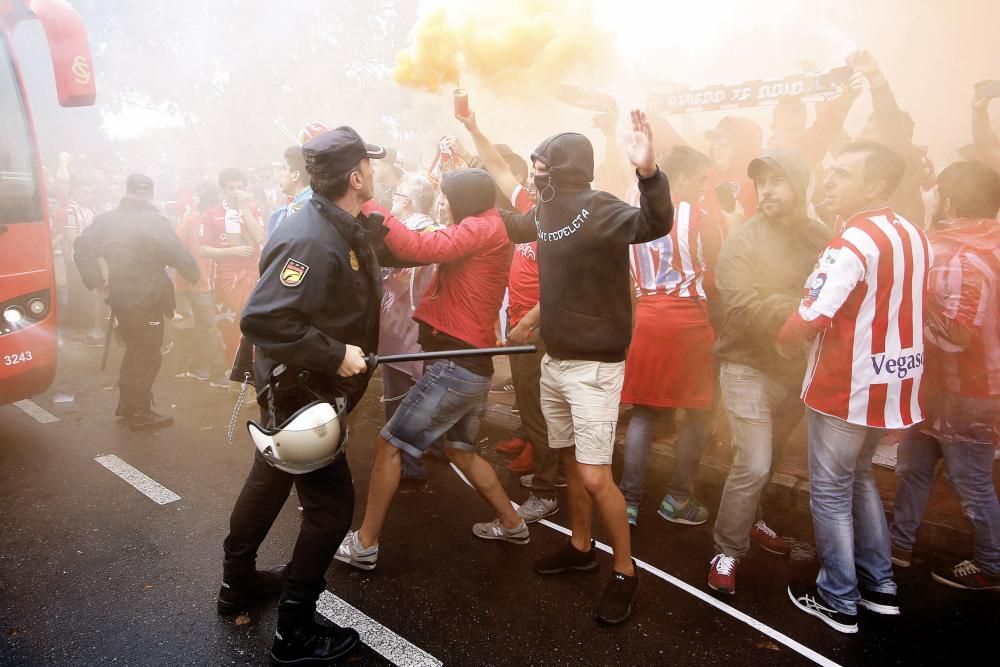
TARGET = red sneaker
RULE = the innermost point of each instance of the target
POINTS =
(722, 575)
(512, 446)
(522, 463)
(769, 540)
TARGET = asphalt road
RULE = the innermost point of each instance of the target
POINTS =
(94, 572)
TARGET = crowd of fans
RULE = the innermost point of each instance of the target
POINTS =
(726, 309)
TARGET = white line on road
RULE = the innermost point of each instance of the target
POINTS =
(379, 638)
(152, 489)
(805, 651)
(40, 415)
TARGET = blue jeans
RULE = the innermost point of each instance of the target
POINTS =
(969, 468)
(852, 536)
(395, 385)
(639, 440)
(763, 410)
(448, 401)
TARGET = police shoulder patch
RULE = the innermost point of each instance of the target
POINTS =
(293, 273)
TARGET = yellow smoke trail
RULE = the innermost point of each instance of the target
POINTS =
(510, 46)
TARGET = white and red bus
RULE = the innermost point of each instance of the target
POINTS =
(28, 335)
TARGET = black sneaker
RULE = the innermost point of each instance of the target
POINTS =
(299, 640)
(619, 598)
(145, 419)
(237, 597)
(968, 576)
(566, 559)
(879, 603)
(808, 600)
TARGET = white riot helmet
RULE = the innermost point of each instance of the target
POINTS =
(310, 439)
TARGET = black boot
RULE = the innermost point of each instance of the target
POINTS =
(299, 640)
(236, 596)
(145, 419)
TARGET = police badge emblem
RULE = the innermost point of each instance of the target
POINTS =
(293, 273)
(354, 260)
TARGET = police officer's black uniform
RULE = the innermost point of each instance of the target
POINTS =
(137, 243)
(319, 291)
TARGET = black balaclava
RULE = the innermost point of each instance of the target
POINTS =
(469, 193)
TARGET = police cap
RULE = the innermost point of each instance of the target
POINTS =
(336, 152)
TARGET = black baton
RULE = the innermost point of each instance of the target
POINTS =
(374, 360)
(107, 339)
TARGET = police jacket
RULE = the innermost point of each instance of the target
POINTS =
(137, 243)
(319, 291)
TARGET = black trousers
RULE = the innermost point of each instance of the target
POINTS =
(141, 331)
(327, 498)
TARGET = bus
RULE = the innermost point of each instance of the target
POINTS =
(28, 335)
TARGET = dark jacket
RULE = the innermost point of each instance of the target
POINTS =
(760, 274)
(137, 243)
(319, 291)
(583, 250)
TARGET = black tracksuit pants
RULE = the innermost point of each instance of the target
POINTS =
(141, 331)
(327, 498)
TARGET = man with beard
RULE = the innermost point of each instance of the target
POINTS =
(962, 383)
(759, 276)
(865, 308)
(586, 323)
(311, 317)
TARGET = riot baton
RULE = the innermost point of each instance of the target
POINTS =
(107, 339)
(373, 360)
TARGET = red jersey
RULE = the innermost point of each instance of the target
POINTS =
(866, 365)
(965, 294)
(676, 264)
(223, 227)
(522, 284)
(187, 232)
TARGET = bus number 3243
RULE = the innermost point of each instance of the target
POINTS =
(18, 358)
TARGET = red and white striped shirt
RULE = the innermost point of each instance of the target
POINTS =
(866, 365)
(675, 264)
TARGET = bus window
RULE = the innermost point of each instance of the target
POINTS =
(19, 194)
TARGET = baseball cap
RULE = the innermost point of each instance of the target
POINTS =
(311, 131)
(139, 184)
(334, 153)
(788, 162)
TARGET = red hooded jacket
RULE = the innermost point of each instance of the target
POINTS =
(473, 260)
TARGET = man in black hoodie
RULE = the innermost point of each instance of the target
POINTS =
(586, 324)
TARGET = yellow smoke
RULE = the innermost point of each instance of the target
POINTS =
(507, 46)
(432, 61)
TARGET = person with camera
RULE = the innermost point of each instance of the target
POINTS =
(311, 317)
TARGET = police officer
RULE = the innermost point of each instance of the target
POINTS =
(310, 317)
(137, 244)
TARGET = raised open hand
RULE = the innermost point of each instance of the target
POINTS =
(640, 145)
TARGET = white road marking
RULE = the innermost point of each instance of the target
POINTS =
(802, 650)
(150, 488)
(40, 415)
(379, 638)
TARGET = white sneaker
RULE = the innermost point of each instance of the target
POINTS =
(351, 552)
(535, 508)
(494, 530)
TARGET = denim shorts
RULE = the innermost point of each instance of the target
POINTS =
(449, 401)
